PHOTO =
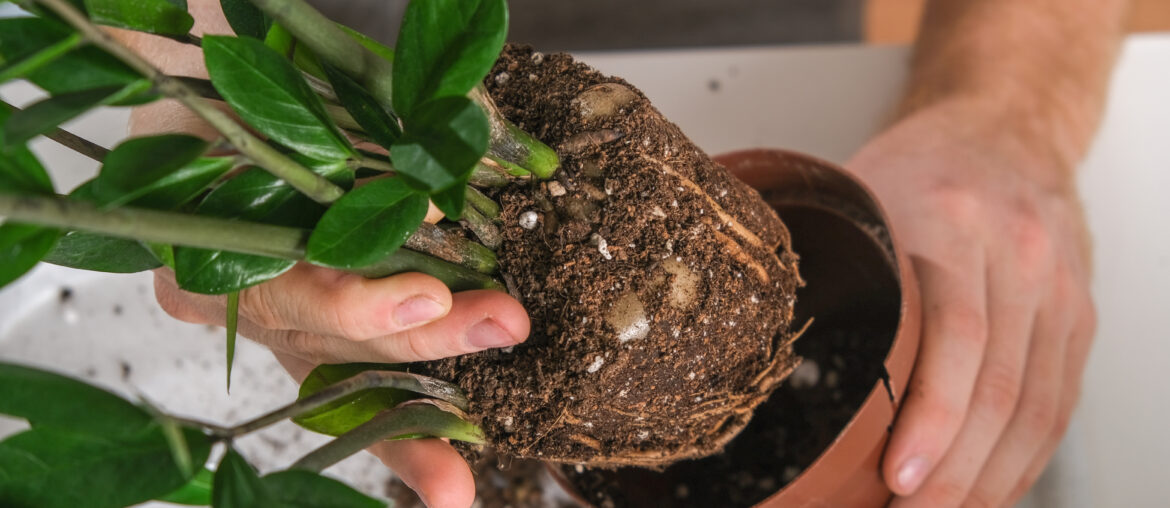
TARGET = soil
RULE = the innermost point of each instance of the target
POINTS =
(841, 367)
(660, 288)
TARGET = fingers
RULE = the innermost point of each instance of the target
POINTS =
(432, 468)
(1014, 288)
(954, 336)
(479, 320)
(324, 302)
(1009, 486)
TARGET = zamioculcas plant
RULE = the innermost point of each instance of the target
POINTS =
(660, 288)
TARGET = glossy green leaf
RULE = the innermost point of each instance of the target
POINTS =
(236, 484)
(197, 491)
(88, 251)
(371, 116)
(233, 319)
(85, 68)
(306, 489)
(445, 47)
(367, 224)
(46, 115)
(254, 195)
(245, 18)
(21, 247)
(28, 393)
(272, 96)
(163, 17)
(451, 200)
(161, 172)
(342, 415)
(53, 467)
(20, 68)
(370, 43)
(444, 140)
(20, 171)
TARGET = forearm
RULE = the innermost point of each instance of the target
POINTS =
(1038, 68)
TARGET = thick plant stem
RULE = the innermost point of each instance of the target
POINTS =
(220, 234)
(311, 184)
(483, 227)
(484, 204)
(365, 381)
(511, 147)
(435, 241)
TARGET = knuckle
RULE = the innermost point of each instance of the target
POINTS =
(175, 304)
(999, 390)
(1038, 417)
(298, 343)
(257, 306)
(341, 312)
(964, 322)
(957, 204)
(939, 411)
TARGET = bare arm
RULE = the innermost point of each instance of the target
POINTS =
(977, 174)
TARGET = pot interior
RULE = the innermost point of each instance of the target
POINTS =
(852, 294)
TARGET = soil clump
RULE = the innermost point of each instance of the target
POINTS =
(660, 288)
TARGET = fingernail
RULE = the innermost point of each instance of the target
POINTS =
(419, 309)
(912, 473)
(487, 334)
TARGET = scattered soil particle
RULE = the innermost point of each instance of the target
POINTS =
(660, 288)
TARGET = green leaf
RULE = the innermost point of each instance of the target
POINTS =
(342, 415)
(47, 114)
(52, 467)
(254, 195)
(85, 68)
(197, 491)
(233, 318)
(21, 247)
(306, 489)
(451, 200)
(367, 224)
(20, 171)
(46, 399)
(374, 120)
(19, 68)
(88, 251)
(163, 17)
(160, 172)
(272, 97)
(444, 140)
(445, 48)
(245, 18)
(236, 484)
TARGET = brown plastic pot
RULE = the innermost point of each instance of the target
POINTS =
(853, 266)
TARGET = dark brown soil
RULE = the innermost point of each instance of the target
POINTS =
(660, 308)
(841, 367)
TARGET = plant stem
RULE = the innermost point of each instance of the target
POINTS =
(510, 146)
(157, 226)
(311, 184)
(72, 141)
(435, 241)
(402, 421)
(364, 381)
(487, 232)
(220, 234)
(41, 58)
(484, 204)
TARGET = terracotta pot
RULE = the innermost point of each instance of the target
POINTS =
(852, 265)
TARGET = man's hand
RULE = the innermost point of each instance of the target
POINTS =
(1000, 248)
(313, 315)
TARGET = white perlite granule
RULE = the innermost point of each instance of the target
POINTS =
(529, 219)
(598, 361)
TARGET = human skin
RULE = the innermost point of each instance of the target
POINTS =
(977, 173)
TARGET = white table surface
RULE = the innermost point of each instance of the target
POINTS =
(822, 100)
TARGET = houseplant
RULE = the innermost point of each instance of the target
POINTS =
(300, 83)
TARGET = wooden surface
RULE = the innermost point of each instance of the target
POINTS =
(896, 21)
